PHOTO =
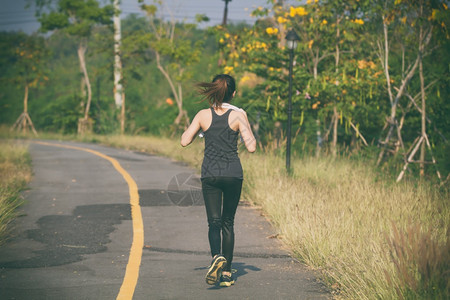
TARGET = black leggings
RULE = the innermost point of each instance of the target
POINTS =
(214, 188)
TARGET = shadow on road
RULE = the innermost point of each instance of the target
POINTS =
(67, 238)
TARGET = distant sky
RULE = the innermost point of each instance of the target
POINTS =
(15, 17)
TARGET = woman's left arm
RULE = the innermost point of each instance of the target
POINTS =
(190, 133)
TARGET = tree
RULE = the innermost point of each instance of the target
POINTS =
(396, 30)
(77, 18)
(173, 51)
(424, 15)
(329, 79)
(29, 66)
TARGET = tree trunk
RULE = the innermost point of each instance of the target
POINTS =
(177, 93)
(25, 109)
(82, 47)
(122, 116)
(335, 113)
(335, 130)
(319, 138)
(318, 133)
(424, 132)
(24, 119)
(422, 92)
(118, 88)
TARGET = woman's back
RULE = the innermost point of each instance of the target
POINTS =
(221, 153)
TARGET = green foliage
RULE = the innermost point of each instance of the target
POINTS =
(354, 86)
(338, 67)
(77, 17)
(63, 116)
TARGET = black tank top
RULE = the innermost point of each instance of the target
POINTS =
(221, 154)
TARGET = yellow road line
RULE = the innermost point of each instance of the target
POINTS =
(134, 260)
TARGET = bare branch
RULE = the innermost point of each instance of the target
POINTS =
(358, 133)
(167, 76)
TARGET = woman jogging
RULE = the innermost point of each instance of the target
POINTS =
(221, 173)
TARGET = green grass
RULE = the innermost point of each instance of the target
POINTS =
(369, 237)
(15, 173)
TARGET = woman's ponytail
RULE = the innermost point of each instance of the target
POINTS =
(220, 90)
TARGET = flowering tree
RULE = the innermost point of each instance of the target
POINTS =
(330, 81)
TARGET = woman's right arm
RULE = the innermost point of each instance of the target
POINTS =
(190, 133)
(246, 132)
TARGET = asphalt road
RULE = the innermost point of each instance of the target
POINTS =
(80, 237)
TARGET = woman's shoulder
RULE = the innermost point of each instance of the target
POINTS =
(204, 113)
(237, 114)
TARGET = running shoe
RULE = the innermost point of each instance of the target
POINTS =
(215, 269)
(226, 280)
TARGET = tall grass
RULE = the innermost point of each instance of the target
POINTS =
(371, 239)
(15, 172)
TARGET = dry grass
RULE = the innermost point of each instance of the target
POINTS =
(15, 172)
(156, 145)
(336, 218)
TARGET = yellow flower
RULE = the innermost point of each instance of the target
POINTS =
(228, 69)
(433, 14)
(245, 78)
(221, 41)
(292, 11)
(311, 20)
(358, 21)
(301, 11)
(281, 20)
(315, 105)
(361, 64)
(271, 30)
(324, 22)
(445, 6)
(403, 20)
(227, 35)
(310, 43)
(308, 1)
